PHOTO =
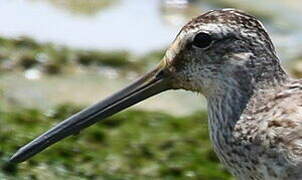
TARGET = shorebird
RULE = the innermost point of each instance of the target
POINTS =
(254, 107)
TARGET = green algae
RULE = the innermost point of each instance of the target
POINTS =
(82, 7)
(130, 145)
(24, 53)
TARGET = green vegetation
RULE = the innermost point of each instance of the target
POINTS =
(25, 53)
(82, 7)
(130, 145)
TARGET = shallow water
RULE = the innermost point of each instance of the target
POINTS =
(85, 89)
(129, 25)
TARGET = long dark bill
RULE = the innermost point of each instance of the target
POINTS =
(152, 83)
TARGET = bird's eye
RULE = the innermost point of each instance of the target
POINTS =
(202, 40)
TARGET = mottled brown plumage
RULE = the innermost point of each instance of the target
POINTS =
(255, 108)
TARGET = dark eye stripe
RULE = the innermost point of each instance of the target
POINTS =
(202, 40)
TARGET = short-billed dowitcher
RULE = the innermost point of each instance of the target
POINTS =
(254, 107)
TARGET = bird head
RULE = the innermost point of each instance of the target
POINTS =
(221, 49)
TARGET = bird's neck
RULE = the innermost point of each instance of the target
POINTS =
(226, 107)
(224, 111)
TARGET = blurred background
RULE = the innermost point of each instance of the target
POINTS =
(58, 56)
